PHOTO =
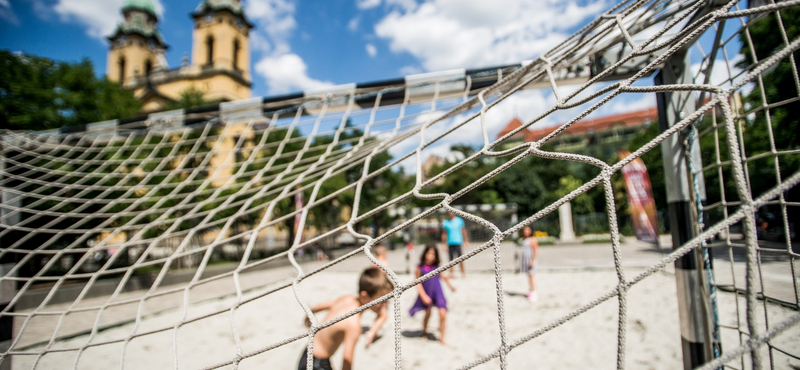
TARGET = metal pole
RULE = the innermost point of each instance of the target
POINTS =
(7, 287)
(694, 300)
(7, 293)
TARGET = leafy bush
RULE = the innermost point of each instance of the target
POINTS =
(546, 240)
(599, 238)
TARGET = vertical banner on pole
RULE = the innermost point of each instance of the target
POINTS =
(641, 203)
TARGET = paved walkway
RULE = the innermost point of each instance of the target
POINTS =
(560, 256)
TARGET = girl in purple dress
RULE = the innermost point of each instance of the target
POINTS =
(430, 291)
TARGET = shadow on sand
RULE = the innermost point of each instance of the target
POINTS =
(516, 294)
(769, 251)
(378, 336)
(417, 334)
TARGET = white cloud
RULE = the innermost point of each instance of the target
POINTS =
(282, 70)
(7, 13)
(275, 20)
(445, 34)
(407, 5)
(721, 74)
(410, 70)
(259, 43)
(441, 148)
(99, 17)
(724, 74)
(367, 4)
(626, 103)
(371, 50)
(353, 24)
(525, 105)
(287, 73)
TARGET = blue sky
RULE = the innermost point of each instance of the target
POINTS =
(306, 44)
(300, 45)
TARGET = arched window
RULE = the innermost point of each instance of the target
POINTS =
(121, 64)
(148, 67)
(210, 50)
(236, 48)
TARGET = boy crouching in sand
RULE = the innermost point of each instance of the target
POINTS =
(372, 285)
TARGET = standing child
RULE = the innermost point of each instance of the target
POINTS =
(430, 291)
(372, 285)
(530, 248)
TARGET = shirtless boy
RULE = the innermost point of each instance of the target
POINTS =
(372, 285)
(381, 254)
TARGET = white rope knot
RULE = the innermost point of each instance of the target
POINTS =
(607, 172)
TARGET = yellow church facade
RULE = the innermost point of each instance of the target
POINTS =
(220, 62)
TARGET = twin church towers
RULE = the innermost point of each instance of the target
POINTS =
(220, 62)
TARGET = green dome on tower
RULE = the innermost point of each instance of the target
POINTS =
(143, 5)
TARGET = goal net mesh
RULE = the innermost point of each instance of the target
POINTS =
(264, 186)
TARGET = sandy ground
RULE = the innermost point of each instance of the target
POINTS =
(587, 341)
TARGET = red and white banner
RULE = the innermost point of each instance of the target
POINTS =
(641, 203)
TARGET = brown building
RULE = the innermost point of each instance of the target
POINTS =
(220, 64)
(598, 137)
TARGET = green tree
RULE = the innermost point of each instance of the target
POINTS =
(582, 203)
(189, 98)
(375, 192)
(777, 88)
(269, 153)
(486, 193)
(38, 93)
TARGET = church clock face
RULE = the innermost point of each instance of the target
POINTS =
(209, 18)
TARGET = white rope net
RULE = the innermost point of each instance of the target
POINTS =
(80, 209)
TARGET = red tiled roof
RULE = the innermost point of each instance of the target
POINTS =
(581, 127)
(512, 125)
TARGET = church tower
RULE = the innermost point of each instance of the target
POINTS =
(220, 67)
(136, 47)
(221, 48)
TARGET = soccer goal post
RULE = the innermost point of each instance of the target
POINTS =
(161, 240)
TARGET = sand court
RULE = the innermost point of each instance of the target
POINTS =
(265, 320)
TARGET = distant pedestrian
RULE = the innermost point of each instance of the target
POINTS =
(530, 249)
(409, 257)
(381, 254)
(763, 226)
(454, 238)
(320, 254)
